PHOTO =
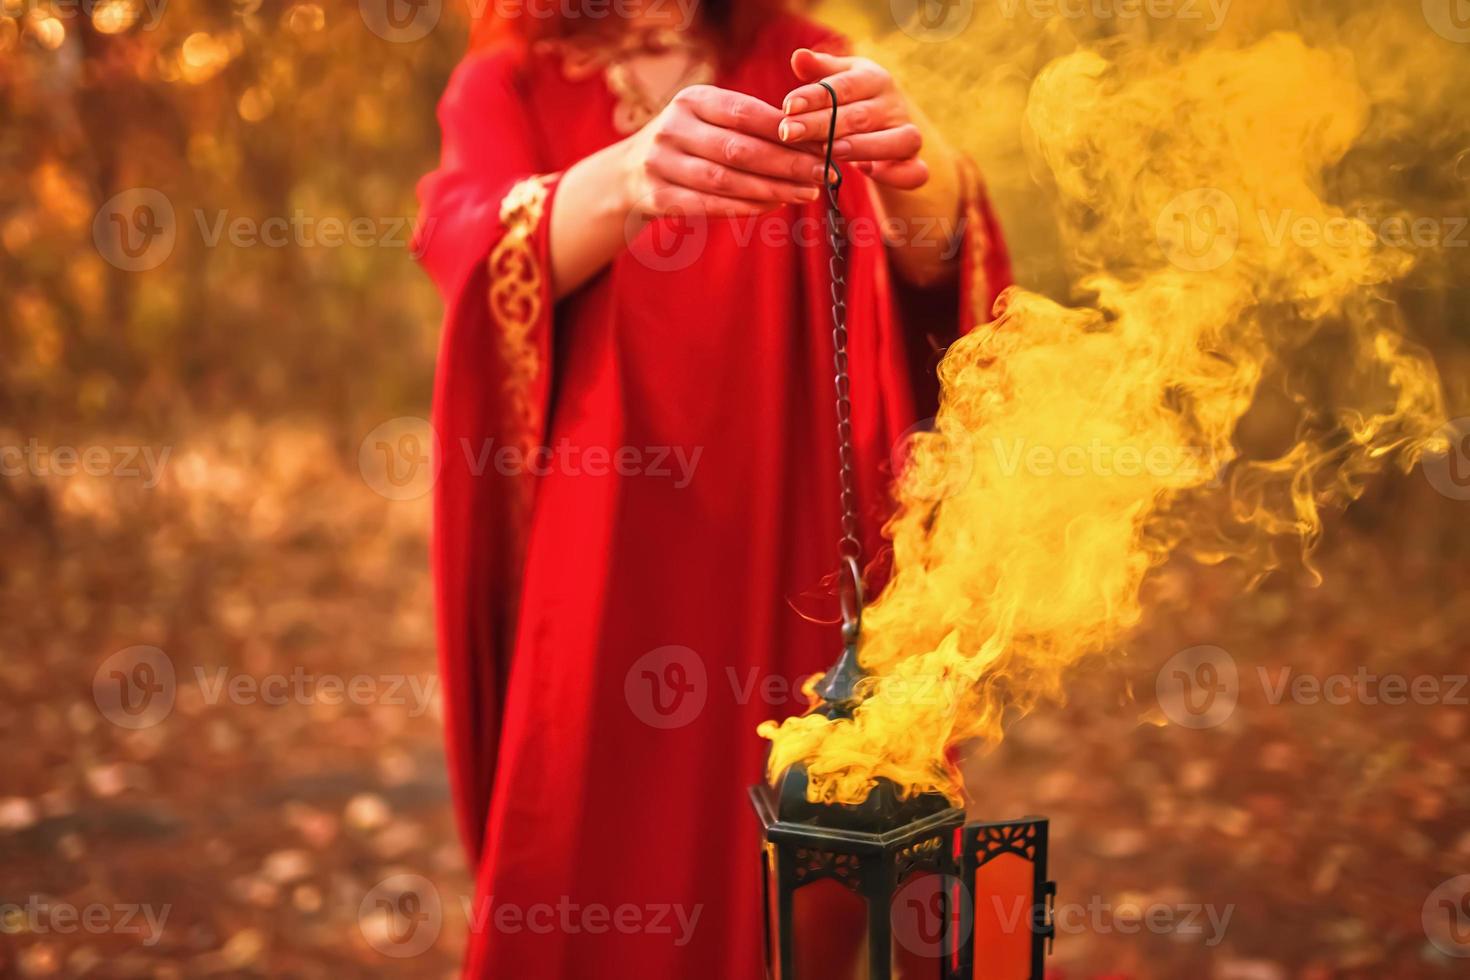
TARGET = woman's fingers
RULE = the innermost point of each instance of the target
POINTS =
(859, 79)
(899, 143)
(708, 177)
(868, 109)
(856, 117)
(731, 110)
(809, 65)
(672, 200)
(903, 174)
(748, 153)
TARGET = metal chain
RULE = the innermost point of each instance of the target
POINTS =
(850, 546)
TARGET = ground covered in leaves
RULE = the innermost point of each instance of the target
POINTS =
(1313, 821)
(1289, 840)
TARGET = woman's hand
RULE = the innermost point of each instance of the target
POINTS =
(709, 152)
(717, 153)
(916, 174)
(876, 127)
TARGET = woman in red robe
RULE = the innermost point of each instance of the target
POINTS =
(638, 458)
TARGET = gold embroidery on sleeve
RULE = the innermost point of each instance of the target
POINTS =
(516, 285)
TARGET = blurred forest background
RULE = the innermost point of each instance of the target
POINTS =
(228, 392)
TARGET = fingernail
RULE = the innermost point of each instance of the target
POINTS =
(794, 105)
(841, 148)
(820, 172)
(809, 193)
(790, 131)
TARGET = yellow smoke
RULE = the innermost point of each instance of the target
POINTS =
(1225, 246)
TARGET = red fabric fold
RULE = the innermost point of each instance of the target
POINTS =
(478, 538)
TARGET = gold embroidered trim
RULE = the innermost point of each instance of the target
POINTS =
(972, 193)
(516, 284)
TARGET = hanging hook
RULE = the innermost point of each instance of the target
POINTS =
(850, 600)
(830, 173)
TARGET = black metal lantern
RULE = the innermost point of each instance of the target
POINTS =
(873, 854)
(877, 847)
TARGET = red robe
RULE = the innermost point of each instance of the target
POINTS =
(615, 615)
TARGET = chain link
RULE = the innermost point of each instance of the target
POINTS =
(850, 545)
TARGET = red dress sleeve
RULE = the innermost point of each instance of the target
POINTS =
(482, 236)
